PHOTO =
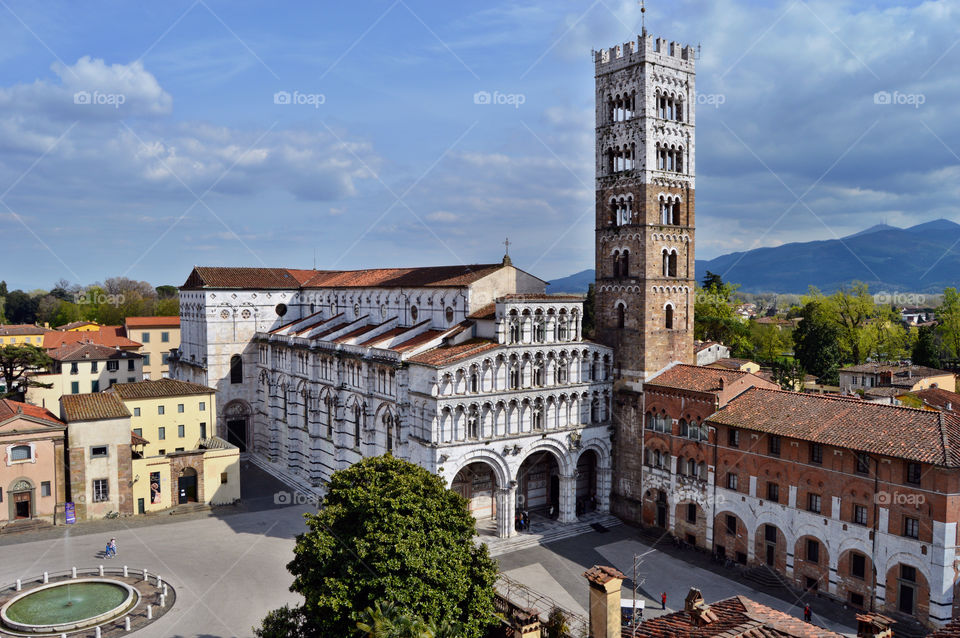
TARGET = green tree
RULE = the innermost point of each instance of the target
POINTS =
(887, 336)
(388, 530)
(20, 307)
(167, 292)
(715, 319)
(17, 362)
(557, 625)
(816, 339)
(769, 341)
(925, 350)
(589, 313)
(948, 319)
(712, 281)
(788, 374)
(852, 309)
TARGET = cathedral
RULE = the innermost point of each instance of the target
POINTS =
(474, 372)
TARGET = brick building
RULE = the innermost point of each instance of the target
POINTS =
(856, 500)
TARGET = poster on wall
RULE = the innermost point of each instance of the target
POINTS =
(70, 513)
(154, 487)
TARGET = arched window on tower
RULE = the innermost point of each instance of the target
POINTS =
(666, 263)
(679, 162)
(621, 315)
(672, 263)
(236, 369)
(625, 263)
(668, 317)
(675, 207)
(357, 414)
(616, 263)
(679, 110)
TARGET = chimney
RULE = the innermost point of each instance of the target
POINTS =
(700, 613)
(874, 625)
(605, 585)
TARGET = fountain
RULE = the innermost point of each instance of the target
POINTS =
(68, 605)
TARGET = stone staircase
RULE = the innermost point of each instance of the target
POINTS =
(26, 525)
(545, 531)
(765, 577)
(907, 626)
(305, 492)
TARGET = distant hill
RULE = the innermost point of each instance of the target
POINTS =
(922, 258)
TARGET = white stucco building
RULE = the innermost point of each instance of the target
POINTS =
(472, 372)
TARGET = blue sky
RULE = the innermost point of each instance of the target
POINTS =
(388, 161)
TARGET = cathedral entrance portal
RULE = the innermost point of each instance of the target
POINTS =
(539, 484)
(237, 427)
(476, 483)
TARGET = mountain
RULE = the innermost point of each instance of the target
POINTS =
(922, 258)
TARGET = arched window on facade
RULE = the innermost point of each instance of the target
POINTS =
(672, 264)
(473, 424)
(625, 263)
(538, 367)
(561, 372)
(595, 411)
(538, 416)
(21, 453)
(621, 316)
(236, 369)
(388, 427)
(616, 263)
(539, 330)
(328, 403)
(668, 317)
(514, 376)
(474, 379)
(357, 414)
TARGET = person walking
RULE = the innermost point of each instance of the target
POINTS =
(113, 546)
(663, 600)
(807, 614)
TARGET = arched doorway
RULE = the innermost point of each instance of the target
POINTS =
(187, 486)
(587, 499)
(236, 415)
(20, 494)
(539, 484)
(476, 483)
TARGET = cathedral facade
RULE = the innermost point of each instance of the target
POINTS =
(472, 372)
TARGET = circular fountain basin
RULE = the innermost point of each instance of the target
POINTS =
(68, 605)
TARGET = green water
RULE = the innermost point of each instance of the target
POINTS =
(66, 603)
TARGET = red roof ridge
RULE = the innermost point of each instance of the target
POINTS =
(844, 398)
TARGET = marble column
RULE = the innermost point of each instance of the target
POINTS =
(568, 499)
(604, 485)
(506, 506)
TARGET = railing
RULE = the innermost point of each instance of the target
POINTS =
(515, 596)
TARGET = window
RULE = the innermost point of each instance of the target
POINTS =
(859, 514)
(113, 366)
(21, 453)
(161, 433)
(668, 317)
(144, 337)
(816, 453)
(45, 488)
(180, 408)
(731, 481)
(236, 369)
(223, 478)
(691, 512)
(858, 565)
(731, 524)
(98, 452)
(448, 314)
(414, 313)
(160, 410)
(165, 337)
(111, 383)
(813, 503)
(913, 473)
(203, 430)
(94, 366)
(131, 365)
(621, 315)
(146, 359)
(856, 599)
(74, 387)
(95, 386)
(136, 412)
(281, 309)
(203, 406)
(165, 358)
(138, 431)
(131, 379)
(911, 527)
(908, 573)
(813, 551)
(74, 368)
(773, 444)
(101, 490)
(770, 533)
(181, 431)
(161, 451)
(773, 492)
(863, 463)
(733, 437)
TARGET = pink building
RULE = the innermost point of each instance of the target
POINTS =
(32, 478)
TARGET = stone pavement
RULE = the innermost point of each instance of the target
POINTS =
(556, 571)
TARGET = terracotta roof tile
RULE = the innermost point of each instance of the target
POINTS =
(940, 399)
(93, 407)
(950, 630)
(152, 322)
(484, 312)
(916, 372)
(290, 279)
(158, 388)
(110, 336)
(10, 409)
(81, 351)
(696, 378)
(917, 435)
(445, 355)
(419, 340)
(19, 329)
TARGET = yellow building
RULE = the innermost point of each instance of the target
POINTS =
(158, 336)
(81, 326)
(81, 368)
(178, 459)
(21, 334)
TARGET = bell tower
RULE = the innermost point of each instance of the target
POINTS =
(645, 166)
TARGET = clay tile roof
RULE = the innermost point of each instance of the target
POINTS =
(152, 322)
(540, 297)
(76, 324)
(696, 378)
(940, 399)
(81, 351)
(916, 372)
(289, 279)
(484, 312)
(420, 339)
(703, 345)
(19, 329)
(110, 336)
(445, 355)
(10, 409)
(159, 388)
(601, 574)
(736, 617)
(93, 407)
(950, 630)
(136, 439)
(917, 435)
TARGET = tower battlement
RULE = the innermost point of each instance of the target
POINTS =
(645, 47)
